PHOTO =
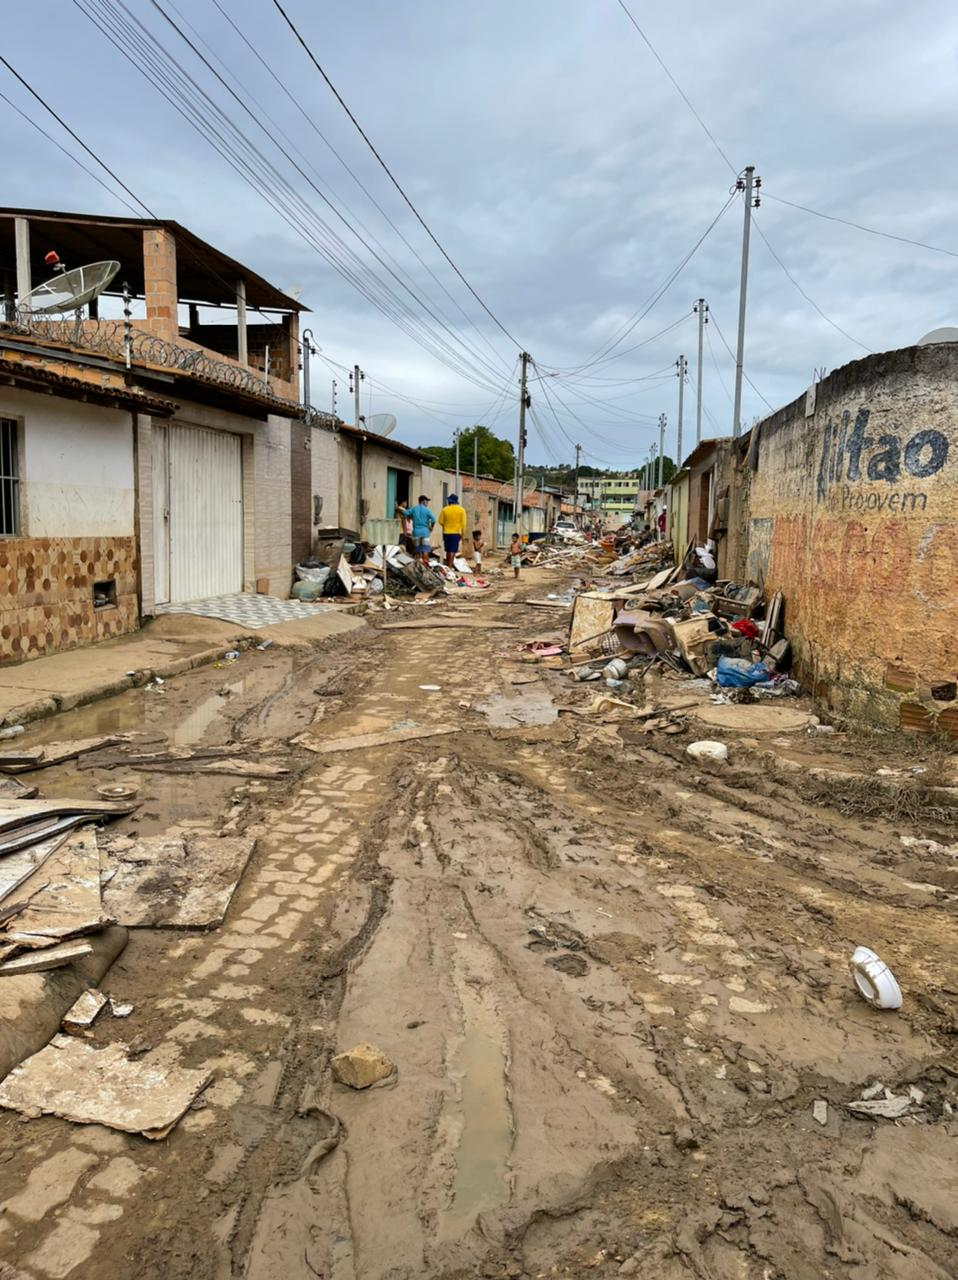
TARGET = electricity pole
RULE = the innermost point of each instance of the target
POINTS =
(356, 377)
(524, 359)
(748, 184)
(475, 473)
(682, 368)
(662, 425)
(701, 309)
(308, 350)
(457, 461)
(575, 495)
(333, 403)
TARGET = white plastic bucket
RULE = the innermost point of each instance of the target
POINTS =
(874, 980)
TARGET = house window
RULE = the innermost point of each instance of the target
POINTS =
(9, 478)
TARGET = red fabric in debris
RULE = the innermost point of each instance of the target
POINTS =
(746, 627)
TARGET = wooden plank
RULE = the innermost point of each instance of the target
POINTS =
(467, 624)
(363, 741)
(48, 958)
(60, 900)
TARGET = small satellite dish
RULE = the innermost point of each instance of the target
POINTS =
(69, 291)
(529, 485)
(947, 334)
(383, 424)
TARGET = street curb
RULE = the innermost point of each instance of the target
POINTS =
(42, 707)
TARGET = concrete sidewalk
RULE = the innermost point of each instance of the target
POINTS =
(165, 646)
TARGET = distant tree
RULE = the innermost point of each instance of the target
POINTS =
(496, 456)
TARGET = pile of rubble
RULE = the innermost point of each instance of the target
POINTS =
(352, 571)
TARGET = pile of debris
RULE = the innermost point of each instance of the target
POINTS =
(689, 626)
(352, 571)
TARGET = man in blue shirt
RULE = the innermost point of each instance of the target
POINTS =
(423, 521)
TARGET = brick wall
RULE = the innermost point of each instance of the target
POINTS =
(853, 515)
(159, 274)
(272, 537)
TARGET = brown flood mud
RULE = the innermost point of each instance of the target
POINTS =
(614, 984)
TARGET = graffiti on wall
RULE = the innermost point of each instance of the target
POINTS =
(850, 458)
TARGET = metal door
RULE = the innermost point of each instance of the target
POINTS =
(206, 513)
(161, 515)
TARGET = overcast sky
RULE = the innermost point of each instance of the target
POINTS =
(557, 165)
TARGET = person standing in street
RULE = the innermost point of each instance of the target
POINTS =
(515, 553)
(452, 521)
(478, 545)
(423, 523)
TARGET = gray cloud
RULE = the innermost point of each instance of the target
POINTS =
(558, 166)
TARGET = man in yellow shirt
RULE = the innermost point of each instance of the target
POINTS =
(452, 521)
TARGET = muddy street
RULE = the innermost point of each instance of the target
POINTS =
(613, 983)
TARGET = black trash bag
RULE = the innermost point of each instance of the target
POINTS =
(358, 554)
(333, 586)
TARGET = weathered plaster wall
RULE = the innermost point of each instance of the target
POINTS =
(272, 539)
(76, 465)
(854, 517)
(324, 465)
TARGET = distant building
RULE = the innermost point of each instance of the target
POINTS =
(615, 498)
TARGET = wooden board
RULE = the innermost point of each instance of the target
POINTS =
(468, 624)
(590, 618)
(364, 741)
(60, 900)
(172, 881)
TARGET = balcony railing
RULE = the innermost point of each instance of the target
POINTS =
(122, 340)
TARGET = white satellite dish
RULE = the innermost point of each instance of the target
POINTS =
(947, 334)
(382, 424)
(69, 291)
(529, 485)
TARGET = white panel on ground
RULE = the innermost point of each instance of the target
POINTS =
(206, 513)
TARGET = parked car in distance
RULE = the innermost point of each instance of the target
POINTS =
(566, 529)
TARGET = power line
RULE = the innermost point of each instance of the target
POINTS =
(811, 301)
(69, 155)
(402, 283)
(724, 384)
(174, 83)
(872, 231)
(717, 329)
(358, 181)
(681, 92)
(365, 137)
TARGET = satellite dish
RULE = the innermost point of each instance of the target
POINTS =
(948, 334)
(69, 291)
(383, 424)
(529, 485)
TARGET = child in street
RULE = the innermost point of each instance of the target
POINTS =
(515, 553)
(477, 546)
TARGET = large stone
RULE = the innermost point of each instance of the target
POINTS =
(362, 1066)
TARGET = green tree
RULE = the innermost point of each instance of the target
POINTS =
(496, 456)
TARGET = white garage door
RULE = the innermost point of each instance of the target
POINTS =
(198, 513)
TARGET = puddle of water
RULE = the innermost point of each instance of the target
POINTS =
(535, 707)
(193, 725)
(119, 714)
(482, 1160)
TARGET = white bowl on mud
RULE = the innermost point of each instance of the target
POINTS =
(874, 980)
(717, 752)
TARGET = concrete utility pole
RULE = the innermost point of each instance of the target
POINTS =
(701, 309)
(662, 425)
(308, 350)
(681, 368)
(748, 184)
(356, 378)
(456, 438)
(575, 495)
(333, 400)
(475, 474)
(524, 359)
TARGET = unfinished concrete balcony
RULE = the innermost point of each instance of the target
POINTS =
(177, 305)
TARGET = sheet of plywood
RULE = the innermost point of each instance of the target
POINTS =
(591, 618)
(171, 881)
(20, 866)
(16, 813)
(74, 1080)
(61, 899)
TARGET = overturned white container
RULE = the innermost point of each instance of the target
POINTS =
(874, 980)
(717, 752)
(615, 669)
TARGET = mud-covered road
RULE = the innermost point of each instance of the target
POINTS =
(614, 985)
